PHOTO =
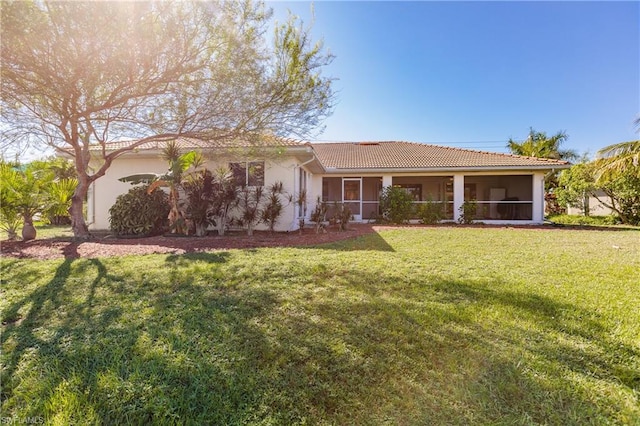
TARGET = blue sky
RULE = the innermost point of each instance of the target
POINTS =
(474, 74)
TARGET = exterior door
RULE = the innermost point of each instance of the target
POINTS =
(352, 196)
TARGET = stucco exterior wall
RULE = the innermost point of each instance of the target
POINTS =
(596, 208)
(106, 189)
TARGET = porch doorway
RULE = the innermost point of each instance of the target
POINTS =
(360, 194)
(352, 196)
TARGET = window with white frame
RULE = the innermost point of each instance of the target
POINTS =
(248, 173)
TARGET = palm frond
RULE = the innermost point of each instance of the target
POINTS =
(619, 149)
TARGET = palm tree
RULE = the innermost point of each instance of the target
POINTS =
(173, 179)
(539, 145)
(618, 158)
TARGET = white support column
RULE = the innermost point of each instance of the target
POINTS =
(538, 198)
(458, 195)
(296, 190)
(387, 180)
(314, 185)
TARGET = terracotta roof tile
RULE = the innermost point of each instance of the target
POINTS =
(186, 143)
(398, 155)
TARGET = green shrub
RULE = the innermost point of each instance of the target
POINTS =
(468, 211)
(430, 212)
(319, 215)
(341, 216)
(139, 212)
(274, 206)
(566, 219)
(396, 204)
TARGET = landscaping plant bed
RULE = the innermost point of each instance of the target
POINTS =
(109, 246)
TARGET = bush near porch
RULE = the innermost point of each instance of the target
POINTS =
(438, 325)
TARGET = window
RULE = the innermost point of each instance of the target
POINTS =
(249, 173)
(302, 195)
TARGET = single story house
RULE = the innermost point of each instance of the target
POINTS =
(508, 189)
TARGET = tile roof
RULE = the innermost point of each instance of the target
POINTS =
(411, 155)
(186, 143)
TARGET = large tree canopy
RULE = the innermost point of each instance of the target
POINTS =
(77, 75)
(620, 187)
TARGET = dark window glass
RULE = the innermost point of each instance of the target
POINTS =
(253, 176)
(256, 173)
(239, 172)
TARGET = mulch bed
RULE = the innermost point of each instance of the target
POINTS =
(109, 246)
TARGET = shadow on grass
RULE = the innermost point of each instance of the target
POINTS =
(24, 320)
(368, 242)
(419, 352)
(112, 247)
(207, 257)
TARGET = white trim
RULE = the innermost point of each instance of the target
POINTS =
(538, 198)
(458, 195)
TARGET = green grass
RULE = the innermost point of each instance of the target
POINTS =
(408, 326)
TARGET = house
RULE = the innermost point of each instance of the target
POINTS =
(595, 205)
(508, 189)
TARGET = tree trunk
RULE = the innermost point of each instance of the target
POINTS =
(76, 211)
(201, 229)
(585, 204)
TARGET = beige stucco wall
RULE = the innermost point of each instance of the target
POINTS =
(596, 208)
(106, 189)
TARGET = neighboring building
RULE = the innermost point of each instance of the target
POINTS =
(508, 189)
(596, 208)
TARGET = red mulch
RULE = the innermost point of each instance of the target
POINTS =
(57, 248)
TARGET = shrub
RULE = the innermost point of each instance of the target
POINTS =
(139, 212)
(342, 216)
(274, 207)
(59, 195)
(199, 194)
(224, 198)
(396, 204)
(319, 215)
(468, 211)
(566, 219)
(249, 203)
(430, 212)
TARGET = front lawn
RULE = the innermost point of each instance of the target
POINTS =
(406, 326)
